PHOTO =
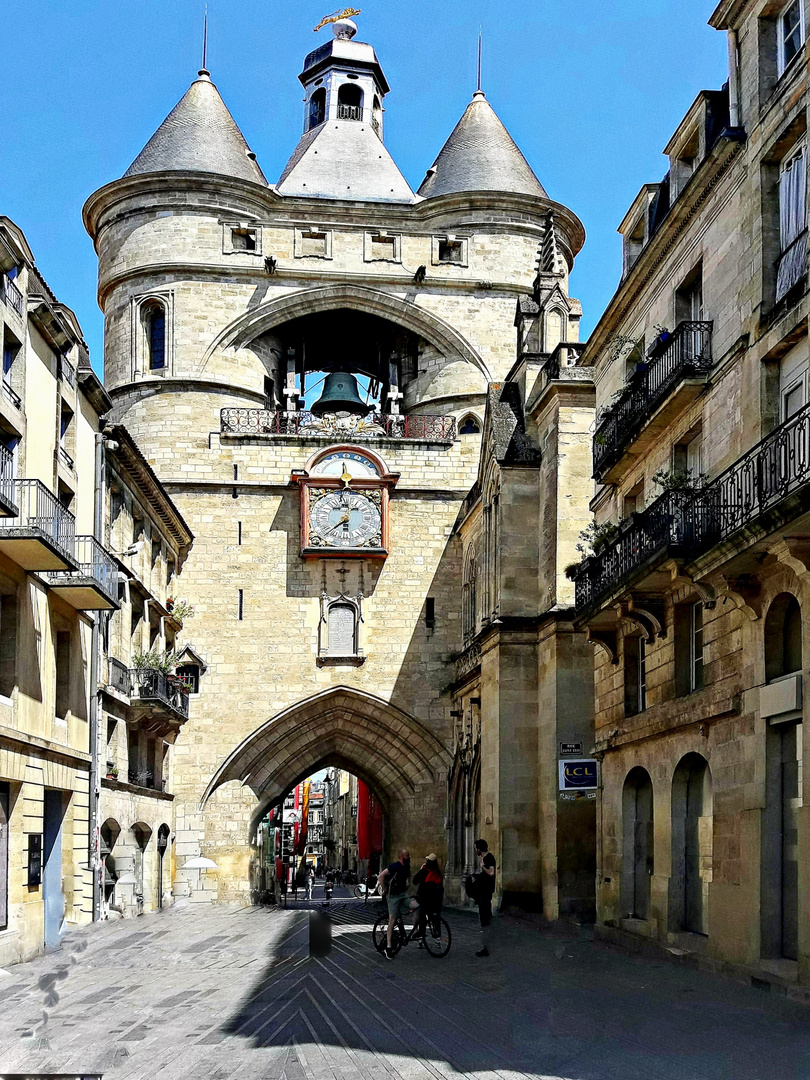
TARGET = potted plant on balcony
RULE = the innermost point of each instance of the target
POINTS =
(660, 343)
(680, 480)
(593, 538)
(112, 770)
(155, 659)
(179, 609)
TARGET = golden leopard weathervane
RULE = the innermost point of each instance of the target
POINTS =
(336, 16)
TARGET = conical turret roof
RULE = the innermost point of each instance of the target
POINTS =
(199, 135)
(480, 155)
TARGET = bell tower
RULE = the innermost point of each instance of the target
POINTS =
(343, 81)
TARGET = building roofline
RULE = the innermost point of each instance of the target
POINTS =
(131, 459)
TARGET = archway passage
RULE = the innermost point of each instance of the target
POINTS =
(397, 757)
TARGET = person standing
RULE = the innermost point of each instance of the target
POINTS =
(429, 884)
(310, 881)
(485, 889)
(394, 880)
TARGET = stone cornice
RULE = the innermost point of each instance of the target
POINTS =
(28, 742)
(681, 215)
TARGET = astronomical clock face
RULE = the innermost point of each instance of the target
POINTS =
(345, 518)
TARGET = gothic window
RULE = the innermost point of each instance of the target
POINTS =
(341, 621)
(470, 425)
(350, 102)
(317, 108)
(469, 596)
(554, 330)
(155, 332)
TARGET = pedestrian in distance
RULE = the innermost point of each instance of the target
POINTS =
(395, 880)
(483, 892)
(310, 881)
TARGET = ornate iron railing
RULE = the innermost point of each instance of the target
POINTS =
(687, 355)
(40, 510)
(370, 426)
(94, 562)
(683, 523)
(350, 112)
(152, 685)
(12, 295)
(119, 676)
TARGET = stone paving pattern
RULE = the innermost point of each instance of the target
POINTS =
(226, 994)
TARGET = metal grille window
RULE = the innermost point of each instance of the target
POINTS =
(791, 33)
(792, 221)
(342, 625)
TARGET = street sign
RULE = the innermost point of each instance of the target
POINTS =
(570, 748)
(35, 858)
(292, 817)
(580, 774)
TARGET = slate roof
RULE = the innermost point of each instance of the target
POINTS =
(480, 155)
(344, 159)
(199, 135)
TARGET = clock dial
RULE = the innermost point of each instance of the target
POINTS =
(345, 519)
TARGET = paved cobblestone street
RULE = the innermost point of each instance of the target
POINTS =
(235, 994)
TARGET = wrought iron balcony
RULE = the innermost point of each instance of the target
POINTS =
(373, 425)
(12, 295)
(160, 690)
(350, 112)
(119, 677)
(93, 585)
(684, 524)
(42, 534)
(688, 355)
(8, 507)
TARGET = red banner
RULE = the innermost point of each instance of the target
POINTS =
(363, 800)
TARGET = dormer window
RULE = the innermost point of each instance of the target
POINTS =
(317, 109)
(350, 102)
(790, 33)
(634, 243)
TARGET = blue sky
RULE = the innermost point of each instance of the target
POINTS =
(590, 90)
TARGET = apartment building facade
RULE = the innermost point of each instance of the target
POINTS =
(695, 596)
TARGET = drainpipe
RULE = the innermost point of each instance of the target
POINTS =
(93, 855)
(733, 81)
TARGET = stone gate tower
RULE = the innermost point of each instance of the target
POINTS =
(306, 366)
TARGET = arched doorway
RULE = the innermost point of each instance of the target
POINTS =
(110, 831)
(637, 844)
(403, 764)
(163, 834)
(691, 845)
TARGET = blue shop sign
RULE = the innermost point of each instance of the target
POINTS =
(581, 774)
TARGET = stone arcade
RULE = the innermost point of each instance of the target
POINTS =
(432, 656)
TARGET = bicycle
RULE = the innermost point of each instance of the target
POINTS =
(366, 889)
(435, 936)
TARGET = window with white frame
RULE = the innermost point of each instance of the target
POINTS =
(790, 33)
(792, 220)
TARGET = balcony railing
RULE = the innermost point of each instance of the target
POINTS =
(11, 395)
(119, 677)
(41, 513)
(67, 372)
(350, 112)
(94, 565)
(685, 524)
(688, 355)
(66, 459)
(151, 685)
(7, 495)
(371, 426)
(12, 295)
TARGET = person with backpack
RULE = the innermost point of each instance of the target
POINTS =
(394, 881)
(429, 892)
(484, 890)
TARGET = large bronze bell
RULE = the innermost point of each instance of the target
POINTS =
(340, 394)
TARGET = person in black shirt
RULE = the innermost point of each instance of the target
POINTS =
(484, 892)
(395, 880)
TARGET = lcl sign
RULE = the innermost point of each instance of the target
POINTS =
(579, 774)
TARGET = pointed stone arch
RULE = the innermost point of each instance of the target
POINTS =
(381, 744)
(266, 316)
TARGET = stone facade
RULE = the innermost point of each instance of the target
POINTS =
(221, 292)
(696, 598)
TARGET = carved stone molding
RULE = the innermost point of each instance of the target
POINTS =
(745, 592)
(793, 552)
(608, 639)
(706, 593)
(646, 612)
